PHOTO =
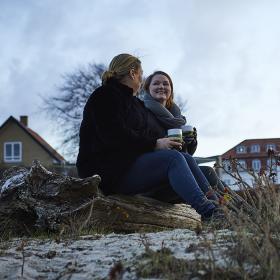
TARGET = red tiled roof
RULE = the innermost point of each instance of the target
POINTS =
(45, 144)
(247, 143)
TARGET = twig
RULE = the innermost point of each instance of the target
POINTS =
(83, 225)
(23, 262)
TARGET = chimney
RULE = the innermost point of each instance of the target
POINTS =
(24, 120)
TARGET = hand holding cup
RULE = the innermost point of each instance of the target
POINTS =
(167, 144)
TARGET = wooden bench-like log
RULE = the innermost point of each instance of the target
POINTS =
(38, 199)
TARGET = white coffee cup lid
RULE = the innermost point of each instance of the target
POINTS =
(174, 131)
(187, 127)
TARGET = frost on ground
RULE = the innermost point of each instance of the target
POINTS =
(93, 256)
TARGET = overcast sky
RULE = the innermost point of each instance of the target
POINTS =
(223, 57)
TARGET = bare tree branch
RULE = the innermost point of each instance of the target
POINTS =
(66, 106)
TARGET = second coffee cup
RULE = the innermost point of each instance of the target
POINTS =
(187, 130)
(175, 133)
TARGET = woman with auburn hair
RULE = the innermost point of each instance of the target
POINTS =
(123, 142)
(159, 99)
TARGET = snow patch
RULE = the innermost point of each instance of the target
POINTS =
(92, 256)
(13, 182)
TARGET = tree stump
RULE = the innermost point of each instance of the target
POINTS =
(38, 199)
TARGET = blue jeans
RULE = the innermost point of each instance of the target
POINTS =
(212, 177)
(173, 168)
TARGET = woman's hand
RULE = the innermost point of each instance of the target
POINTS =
(168, 144)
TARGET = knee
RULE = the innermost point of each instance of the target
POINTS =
(210, 174)
(207, 170)
(188, 157)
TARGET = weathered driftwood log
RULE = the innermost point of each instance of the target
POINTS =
(38, 199)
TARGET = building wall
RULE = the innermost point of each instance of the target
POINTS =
(248, 144)
(248, 156)
(232, 183)
(31, 150)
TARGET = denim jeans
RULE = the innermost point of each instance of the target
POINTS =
(212, 177)
(173, 168)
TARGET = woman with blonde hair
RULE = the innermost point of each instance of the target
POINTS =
(123, 142)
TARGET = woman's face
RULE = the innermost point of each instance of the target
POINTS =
(160, 88)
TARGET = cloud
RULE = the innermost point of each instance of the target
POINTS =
(222, 55)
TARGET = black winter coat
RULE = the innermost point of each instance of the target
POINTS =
(115, 130)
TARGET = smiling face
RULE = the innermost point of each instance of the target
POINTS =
(160, 88)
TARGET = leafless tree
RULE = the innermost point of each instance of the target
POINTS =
(66, 107)
(182, 104)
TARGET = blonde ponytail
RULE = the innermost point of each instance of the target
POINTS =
(107, 75)
(120, 67)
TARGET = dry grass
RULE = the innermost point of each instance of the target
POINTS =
(257, 239)
(253, 216)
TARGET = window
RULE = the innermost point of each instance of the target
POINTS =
(255, 148)
(240, 149)
(241, 164)
(226, 164)
(256, 164)
(12, 151)
(270, 146)
(271, 164)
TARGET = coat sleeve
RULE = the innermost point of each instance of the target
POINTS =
(108, 114)
(191, 147)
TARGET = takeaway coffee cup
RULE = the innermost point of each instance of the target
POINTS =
(176, 133)
(187, 131)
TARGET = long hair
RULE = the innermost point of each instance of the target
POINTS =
(148, 81)
(120, 66)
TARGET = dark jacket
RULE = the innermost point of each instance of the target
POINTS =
(170, 118)
(115, 130)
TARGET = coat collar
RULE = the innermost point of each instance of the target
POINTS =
(120, 87)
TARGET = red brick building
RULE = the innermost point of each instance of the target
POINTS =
(253, 154)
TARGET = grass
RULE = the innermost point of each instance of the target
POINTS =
(253, 217)
(257, 236)
(252, 250)
(162, 264)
